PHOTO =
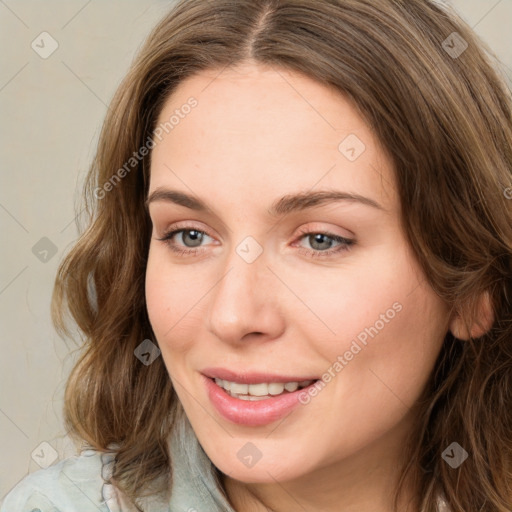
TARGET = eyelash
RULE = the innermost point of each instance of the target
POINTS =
(345, 243)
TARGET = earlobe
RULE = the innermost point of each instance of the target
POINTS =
(481, 323)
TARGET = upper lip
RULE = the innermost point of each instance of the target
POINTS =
(250, 377)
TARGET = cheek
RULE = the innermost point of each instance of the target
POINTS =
(377, 320)
(404, 354)
(365, 295)
(161, 297)
(174, 301)
(386, 375)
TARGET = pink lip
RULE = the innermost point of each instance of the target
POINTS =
(248, 413)
(251, 377)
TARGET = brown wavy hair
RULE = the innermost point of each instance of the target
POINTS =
(446, 122)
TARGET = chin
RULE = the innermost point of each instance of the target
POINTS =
(263, 471)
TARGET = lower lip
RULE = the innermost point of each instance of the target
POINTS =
(252, 413)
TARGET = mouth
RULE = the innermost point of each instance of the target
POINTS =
(254, 404)
(260, 391)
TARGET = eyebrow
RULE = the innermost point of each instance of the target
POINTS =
(283, 206)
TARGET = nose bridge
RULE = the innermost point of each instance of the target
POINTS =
(241, 301)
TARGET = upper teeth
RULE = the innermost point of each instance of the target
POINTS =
(262, 389)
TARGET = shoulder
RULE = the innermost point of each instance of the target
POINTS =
(73, 484)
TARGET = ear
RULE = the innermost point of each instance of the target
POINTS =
(481, 323)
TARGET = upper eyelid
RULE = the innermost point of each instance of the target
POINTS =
(185, 227)
(190, 224)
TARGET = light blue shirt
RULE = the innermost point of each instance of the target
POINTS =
(77, 484)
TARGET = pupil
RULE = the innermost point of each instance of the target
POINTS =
(196, 237)
(318, 239)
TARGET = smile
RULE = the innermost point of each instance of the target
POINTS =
(270, 402)
(260, 391)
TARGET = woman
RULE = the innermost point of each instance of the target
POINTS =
(232, 361)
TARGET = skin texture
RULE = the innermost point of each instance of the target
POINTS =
(258, 134)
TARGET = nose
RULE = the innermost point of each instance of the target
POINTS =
(245, 302)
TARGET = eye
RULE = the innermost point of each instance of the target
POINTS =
(195, 236)
(318, 240)
(321, 242)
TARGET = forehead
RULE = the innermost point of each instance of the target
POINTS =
(256, 128)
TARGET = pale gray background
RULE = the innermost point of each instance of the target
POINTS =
(51, 112)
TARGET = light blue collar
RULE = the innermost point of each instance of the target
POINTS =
(195, 482)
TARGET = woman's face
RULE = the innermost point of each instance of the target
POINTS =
(267, 293)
